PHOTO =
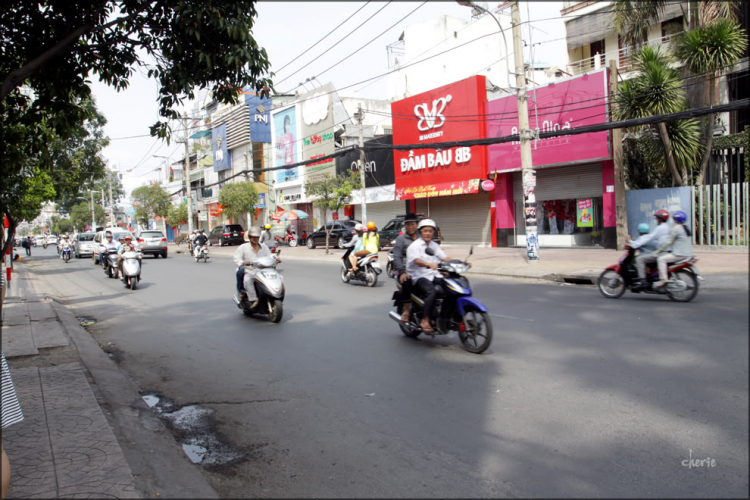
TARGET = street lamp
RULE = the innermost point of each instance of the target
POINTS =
(478, 9)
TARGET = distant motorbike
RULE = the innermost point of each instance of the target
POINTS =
(368, 268)
(268, 284)
(131, 269)
(108, 261)
(682, 286)
(456, 310)
(66, 254)
(389, 270)
(202, 254)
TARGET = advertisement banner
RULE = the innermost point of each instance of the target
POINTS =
(440, 189)
(559, 106)
(439, 116)
(378, 164)
(261, 201)
(317, 130)
(285, 142)
(222, 158)
(642, 203)
(585, 213)
(260, 117)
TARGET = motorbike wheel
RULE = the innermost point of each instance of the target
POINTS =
(133, 282)
(293, 242)
(109, 272)
(344, 275)
(371, 278)
(276, 311)
(412, 334)
(477, 336)
(390, 271)
(611, 284)
(691, 287)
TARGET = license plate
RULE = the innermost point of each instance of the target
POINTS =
(235, 234)
(376, 265)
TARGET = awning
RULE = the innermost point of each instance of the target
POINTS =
(201, 134)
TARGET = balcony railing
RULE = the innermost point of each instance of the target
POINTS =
(622, 56)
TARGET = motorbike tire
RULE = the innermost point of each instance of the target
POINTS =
(476, 348)
(692, 283)
(110, 273)
(371, 278)
(607, 275)
(412, 334)
(276, 310)
(311, 243)
(293, 242)
(133, 282)
(390, 271)
(344, 275)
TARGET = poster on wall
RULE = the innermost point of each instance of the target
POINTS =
(285, 144)
(584, 217)
(222, 158)
(317, 131)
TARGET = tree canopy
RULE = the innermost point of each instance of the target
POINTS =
(80, 215)
(238, 199)
(332, 193)
(149, 201)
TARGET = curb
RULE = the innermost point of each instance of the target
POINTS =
(163, 470)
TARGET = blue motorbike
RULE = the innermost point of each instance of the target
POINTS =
(456, 310)
(66, 254)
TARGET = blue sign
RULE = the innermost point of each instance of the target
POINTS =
(222, 158)
(260, 118)
(642, 204)
(261, 201)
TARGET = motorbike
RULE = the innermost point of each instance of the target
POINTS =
(108, 260)
(681, 287)
(202, 254)
(65, 252)
(268, 284)
(455, 310)
(44, 245)
(368, 268)
(131, 269)
(389, 270)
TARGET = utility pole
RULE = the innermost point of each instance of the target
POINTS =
(105, 213)
(360, 119)
(525, 135)
(93, 216)
(188, 196)
(111, 199)
(621, 209)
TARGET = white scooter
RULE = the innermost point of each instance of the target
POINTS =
(202, 253)
(368, 268)
(263, 282)
(131, 269)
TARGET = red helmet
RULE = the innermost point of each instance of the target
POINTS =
(663, 215)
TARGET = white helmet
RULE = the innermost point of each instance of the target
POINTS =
(359, 227)
(426, 223)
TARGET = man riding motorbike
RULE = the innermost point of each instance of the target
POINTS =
(200, 241)
(267, 238)
(679, 239)
(246, 254)
(358, 245)
(64, 243)
(656, 237)
(399, 261)
(423, 268)
(126, 246)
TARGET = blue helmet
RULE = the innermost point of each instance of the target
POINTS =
(679, 217)
(643, 228)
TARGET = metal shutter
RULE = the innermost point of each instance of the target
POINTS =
(462, 218)
(563, 183)
(381, 213)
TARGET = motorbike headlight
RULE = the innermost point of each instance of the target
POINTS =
(460, 268)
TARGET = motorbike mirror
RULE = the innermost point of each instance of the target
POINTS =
(429, 251)
(471, 252)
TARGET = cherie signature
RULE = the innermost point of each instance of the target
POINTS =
(698, 462)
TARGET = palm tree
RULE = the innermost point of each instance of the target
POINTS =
(631, 19)
(710, 49)
(657, 89)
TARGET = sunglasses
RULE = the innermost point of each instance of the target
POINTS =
(109, 237)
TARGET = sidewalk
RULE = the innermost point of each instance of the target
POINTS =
(64, 447)
(722, 269)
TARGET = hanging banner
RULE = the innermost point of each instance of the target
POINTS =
(584, 216)
(286, 146)
(222, 158)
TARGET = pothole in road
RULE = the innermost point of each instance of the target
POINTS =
(194, 428)
(86, 322)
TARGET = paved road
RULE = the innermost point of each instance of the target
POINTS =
(578, 395)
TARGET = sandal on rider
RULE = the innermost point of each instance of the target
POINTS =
(429, 329)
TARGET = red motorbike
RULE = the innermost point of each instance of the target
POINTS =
(681, 287)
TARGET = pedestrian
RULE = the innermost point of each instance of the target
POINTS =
(10, 413)
(26, 244)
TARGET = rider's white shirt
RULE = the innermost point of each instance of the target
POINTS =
(417, 251)
(245, 253)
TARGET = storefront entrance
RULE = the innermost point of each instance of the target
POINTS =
(463, 219)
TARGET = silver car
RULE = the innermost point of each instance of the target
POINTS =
(83, 245)
(153, 242)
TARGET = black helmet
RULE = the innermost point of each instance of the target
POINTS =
(411, 217)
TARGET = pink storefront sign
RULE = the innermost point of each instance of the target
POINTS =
(559, 106)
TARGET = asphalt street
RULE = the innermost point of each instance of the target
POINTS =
(577, 396)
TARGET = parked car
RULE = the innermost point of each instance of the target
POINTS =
(341, 232)
(52, 239)
(117, 232)
(226, 234)
(394, 227)
(38, 240)
(83, 244)
(152, 242)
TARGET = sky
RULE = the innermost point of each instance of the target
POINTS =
(287, 29)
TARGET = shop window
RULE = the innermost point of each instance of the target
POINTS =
(560, 217)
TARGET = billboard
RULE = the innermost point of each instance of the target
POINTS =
(285, 140)
(222, 158)
(439, 115)
(317, 130)
(559, 106)
(378, 164)
(642, 203)
(260, 117)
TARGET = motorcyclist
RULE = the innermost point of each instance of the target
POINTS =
(267, 238)
(680, 241)
(64, 243)
(399, 261)
(423, 268)
(245, 255)
(200, 240)
(191, 240)
(126, 246)
(657, 236)
(644, 242)
(356, 244)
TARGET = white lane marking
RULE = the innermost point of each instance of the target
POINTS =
(511, 317)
